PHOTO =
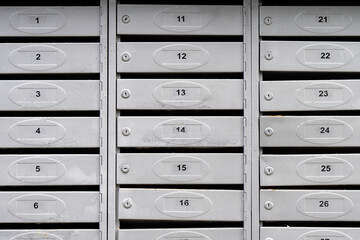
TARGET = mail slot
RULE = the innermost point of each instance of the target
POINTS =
(307, 56)
(314, 131)
(133, 57)
(49, 58)
(24, 95)
(60, 207)
(180, 204)
(302, 233)
(311, 169)
(180, 20)
(67, 169)
(180, 168)
(182, 233)
(45, 234)
(49, 132)
(309, 21)
(309, 95)
(309, 205)
(180, 94)
(180, 131)
(49, 21)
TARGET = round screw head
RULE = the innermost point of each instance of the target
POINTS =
(125, 93)
(125, 57)
(268, 205)
(269, 170)
(126, 131)
(269, 96)
(269, 131)
(269, 55)
(125, 168)
(268, 20)
(127, 203)
(125, 19)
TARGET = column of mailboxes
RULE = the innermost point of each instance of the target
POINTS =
(309, 130)
(160, 182)
(49, 107)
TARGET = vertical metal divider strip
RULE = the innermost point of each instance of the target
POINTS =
(103, 116)
(113, 223)
(255, 120)
(247, 118)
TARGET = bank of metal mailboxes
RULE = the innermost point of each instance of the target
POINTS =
(50, 138)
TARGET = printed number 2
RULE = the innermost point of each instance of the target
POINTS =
(38, 57)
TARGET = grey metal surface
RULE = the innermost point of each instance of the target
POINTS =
(32, 170)
(309, 131)
(319, 95)
(180, 131)
(309, 56)
(179, 20)
(191, 168)
(58, 207)
(179, 57)
(46, 95)
(180, 94)
(309, 21)
(309, 205)
(49, 21)
(46, 234)
(180, 204)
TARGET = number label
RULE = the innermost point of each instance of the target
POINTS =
(181, 92)
(37, 20)
(181, 129)
(38, 57)
(37, 168)
(324, 130)
(323, 204)
(184, 202)
(323, 19)
(38, 131)
(323, 93)
(325, 55)
(37, 94)
(181, 18)
(36, 205)
(181, 55)
(325, 168)
(181, 167)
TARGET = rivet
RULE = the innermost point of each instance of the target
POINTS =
(269, 96)
(269, 131)
(125, 57)
(125, 93)
(268, 205)
(269, 170)
(126, 131)
(127, 203)
(125, 19)
(269, 55)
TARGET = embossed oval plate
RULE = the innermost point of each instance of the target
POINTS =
(188, 235)
(181, 94)
(36, 236)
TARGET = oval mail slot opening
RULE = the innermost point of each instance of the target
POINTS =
(324, 205)
(324, 234)
(37, 95)
(181, 57)
(37, 20)
(324, 169)
(323, 20)
(36, 170)
(181, 94)
(37, 57)
(324, 56)
(188, 235)
(183, 204)
(181, 168)
(324, 131)
(36, 236)
(181, 19)
(324, 95)
(37, 207)
(37, 132)
(181, 131)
